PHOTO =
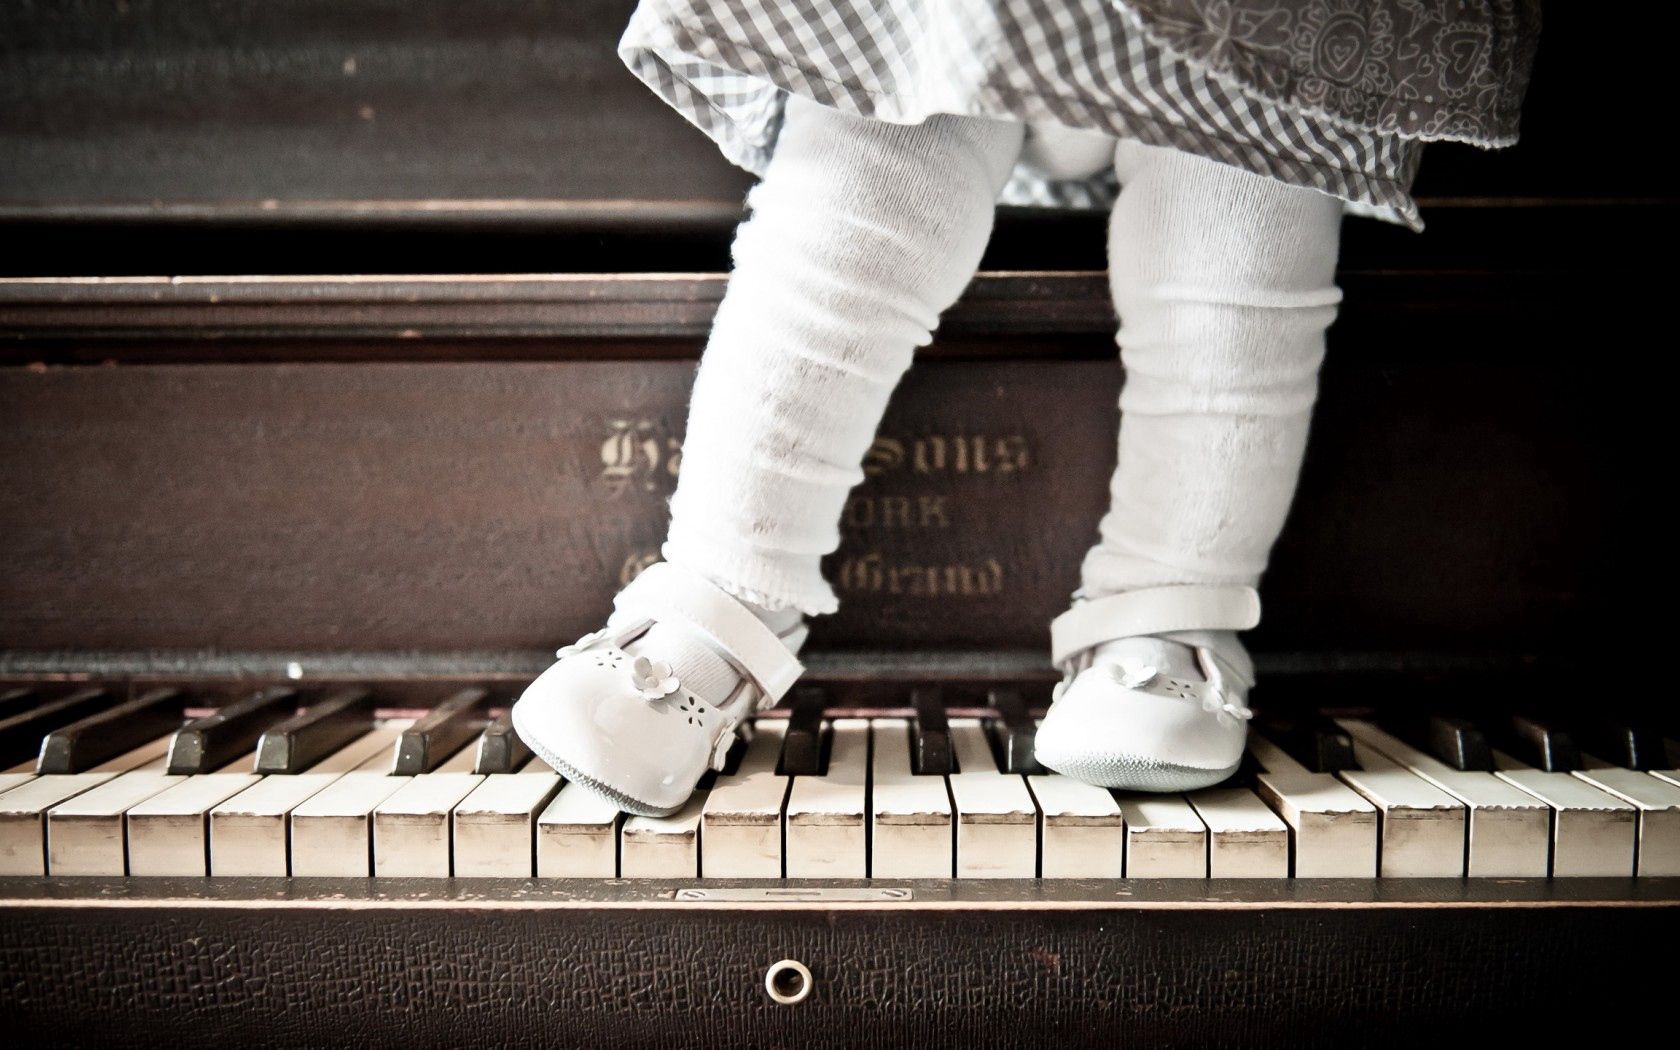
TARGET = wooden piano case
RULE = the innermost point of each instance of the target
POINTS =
(220, 467)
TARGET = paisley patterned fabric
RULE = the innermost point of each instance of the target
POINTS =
(1335, 95)
(1428, 69)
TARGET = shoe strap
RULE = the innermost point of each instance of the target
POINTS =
(1154, 610)
(664, 591)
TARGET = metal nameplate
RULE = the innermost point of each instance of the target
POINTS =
(760, 894)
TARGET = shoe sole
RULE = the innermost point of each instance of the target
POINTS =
(1137, 773)
(594, 785)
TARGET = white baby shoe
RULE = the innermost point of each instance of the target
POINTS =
(1154, 689)
(625, 726)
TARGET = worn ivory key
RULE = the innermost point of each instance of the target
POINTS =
(496, 824)
(741, 823)
(997, 819)
(827, 816)
(910, 816)
(1334, 828)
(1509, 829)
(250, 832)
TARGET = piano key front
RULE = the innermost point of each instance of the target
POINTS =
(827, 816)
(996, 817)
(741, 822)
(495, 824)
(910, 817)
(855, 806)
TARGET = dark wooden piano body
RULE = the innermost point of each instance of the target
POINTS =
(430, 471)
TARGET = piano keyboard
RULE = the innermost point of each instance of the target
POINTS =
(333, 792)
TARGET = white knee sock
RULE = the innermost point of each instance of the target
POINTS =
(861, 233)
(1224, 282)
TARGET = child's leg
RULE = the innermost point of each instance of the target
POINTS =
(1224, 282)
(861, 234)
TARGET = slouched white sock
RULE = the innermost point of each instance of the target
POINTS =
(860, 235)
(1224, 282)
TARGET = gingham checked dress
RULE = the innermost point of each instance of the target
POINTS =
(1336, 95)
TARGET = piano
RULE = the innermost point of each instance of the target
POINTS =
(339, 385)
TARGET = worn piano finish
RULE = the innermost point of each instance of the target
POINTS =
(415, 964)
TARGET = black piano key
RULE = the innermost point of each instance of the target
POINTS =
(86, 743)
(1632, 743)
(444, 730)
(306, 738)
(1458, 743)
(14, 702)
(1540, 742)
(211, 742)
(1014, 731)
(21, 734)
(1449, 738)
(1313, 740)
(802, 747)
(499, 749)
(930, 733)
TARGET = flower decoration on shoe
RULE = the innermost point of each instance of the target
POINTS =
(1225, 712)
(1129, 675)
(653, 679)
(581, 644)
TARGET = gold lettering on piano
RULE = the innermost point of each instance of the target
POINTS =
(638, 454)
(873, 574)
(896, 512)
(948, 454)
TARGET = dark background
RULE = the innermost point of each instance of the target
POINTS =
(319, 479)
(187, 136)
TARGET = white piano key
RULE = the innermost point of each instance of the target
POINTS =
(1509, 829)
(1084, 832)
(411, 828)
(86, 834)
(996, 817)
(24, 806)
(332, 830)
(495, 825)
(662, 847)
(250, 832)
(910, 818)
(1333, 827)
(8, 781)
(1658, 804)
(1165, 839)
(1246, 840)
(577, 836)
(741, 822)
(1422, 829)
(23, 811)
(827, 816)
(1593, 833)
(169, 833)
